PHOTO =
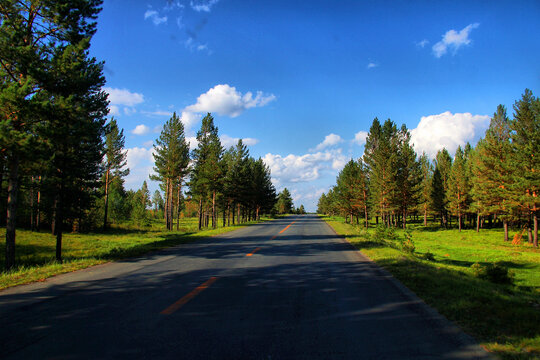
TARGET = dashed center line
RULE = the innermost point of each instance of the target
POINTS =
(253, 252)
(177, 305)
(287, 227)
(185, 299)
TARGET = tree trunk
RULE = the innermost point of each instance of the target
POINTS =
(459, 221)
(178, 206)
(38, 207)
(505, 226)
(214, 225)
(200, 214)
(425, 217)
(106, 199)
(404, 220)
(366, 217)
(32, 225)
(59, 221)
(13, 189)
(529, 231)
(535, 223)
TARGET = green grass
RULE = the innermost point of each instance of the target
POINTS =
(35, 251)
(505, 319)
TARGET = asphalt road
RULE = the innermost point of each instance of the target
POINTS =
(268, 291)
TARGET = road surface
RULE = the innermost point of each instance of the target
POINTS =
(285, 289)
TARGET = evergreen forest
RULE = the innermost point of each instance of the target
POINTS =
(494, 184)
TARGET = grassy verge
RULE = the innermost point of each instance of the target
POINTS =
(504, 318)
(35, 251)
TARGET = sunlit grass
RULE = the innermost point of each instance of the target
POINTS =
(35, 251)
(504, 318)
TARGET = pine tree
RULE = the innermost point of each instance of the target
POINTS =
(443, 163)
(284, 204)
(380, 156)
(458, 192)
(157, 200)
(206, 180)
(41, 47)
(171, 157)
(490, 171)
(426, 173)
(525, 135)
(114, 161)
(408, 175)
(262, 188)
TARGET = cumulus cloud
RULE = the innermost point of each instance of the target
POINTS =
(453, 40)
(226, 100)
(114, 110)
(302, 168)
(189, 119)
(360, 137)
(204, 6)
(123, 97)
(154, 16)
(329, 140)
(192, 141)
(372, 65)
(228, 141)
(447, 130)
(140, 163)
(140, 130)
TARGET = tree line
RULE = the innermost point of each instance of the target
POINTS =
(62, 164)
(227, 185)
(497, 181)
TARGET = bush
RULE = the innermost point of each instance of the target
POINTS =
(380, 234)
(496, 273)
(429, 256)
(407, 244)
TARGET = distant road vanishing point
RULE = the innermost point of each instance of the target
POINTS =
(284, 289)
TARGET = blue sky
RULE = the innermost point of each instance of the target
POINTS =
(301, 81)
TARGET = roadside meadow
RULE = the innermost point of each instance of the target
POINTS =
(459, 274)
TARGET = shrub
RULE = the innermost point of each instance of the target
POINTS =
(407, 244)
(429, 256)
(496, 273)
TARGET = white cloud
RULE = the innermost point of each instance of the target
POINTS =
(123, 97)
(148, 144)
(329, 140)
(189, 119)
(225, 100)
(228, 141)
(372, 65)
(360, 137)
(422, 43)
(140, 162)
(453, 40)
(447, 130)
(193, 143)
(140, 130)
(205, 6)
(129, 111)
(154, 16)
(157, 113)
(302, 168)
(114, 110)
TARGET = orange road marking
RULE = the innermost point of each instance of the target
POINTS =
(177, 305)
(253, 252)
(287, 227)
